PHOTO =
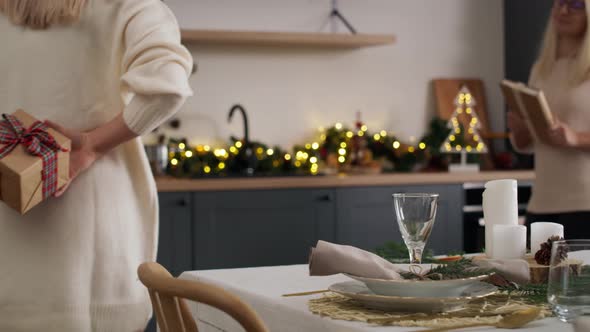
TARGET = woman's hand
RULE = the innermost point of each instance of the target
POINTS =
(563, 136)
(520, 132)
(89, 146)
(82, 155)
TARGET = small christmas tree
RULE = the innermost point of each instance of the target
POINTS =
(460, 140)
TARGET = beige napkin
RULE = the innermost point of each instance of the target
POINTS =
(329, 258)
(516, 270)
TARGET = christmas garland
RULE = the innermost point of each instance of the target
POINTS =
(337, 149)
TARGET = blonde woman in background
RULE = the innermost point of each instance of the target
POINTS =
(561, 192)
(102, 72)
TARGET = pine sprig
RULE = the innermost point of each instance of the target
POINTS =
(530, 293)
(396, 252)
(463, 268)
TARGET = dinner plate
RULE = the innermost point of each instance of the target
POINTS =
(419, 288)
(359, 292)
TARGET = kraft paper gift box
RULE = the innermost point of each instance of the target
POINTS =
(27, 179)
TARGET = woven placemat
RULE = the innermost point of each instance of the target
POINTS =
(486, 311)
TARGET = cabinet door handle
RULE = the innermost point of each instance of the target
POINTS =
(324, 198)
(182, 202)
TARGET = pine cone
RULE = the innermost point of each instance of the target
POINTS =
(543, 256)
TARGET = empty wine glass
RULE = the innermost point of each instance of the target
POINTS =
(415, 217)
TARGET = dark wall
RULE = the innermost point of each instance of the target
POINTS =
(524, 25)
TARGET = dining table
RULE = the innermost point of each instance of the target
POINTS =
(263, 288)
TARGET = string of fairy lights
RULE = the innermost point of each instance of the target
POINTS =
(334, 148)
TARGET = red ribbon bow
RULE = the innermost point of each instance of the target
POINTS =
(38, 142)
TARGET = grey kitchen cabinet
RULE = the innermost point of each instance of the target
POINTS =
(175, 236)
(260, 227)
(366, 218)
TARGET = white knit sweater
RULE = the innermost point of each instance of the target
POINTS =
(562, 183)
(70, 263)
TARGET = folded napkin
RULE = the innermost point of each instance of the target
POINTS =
(329, 258)
(516, 270)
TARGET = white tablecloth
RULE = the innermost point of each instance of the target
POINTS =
(263, 288)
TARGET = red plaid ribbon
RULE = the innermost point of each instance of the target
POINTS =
(37, 142)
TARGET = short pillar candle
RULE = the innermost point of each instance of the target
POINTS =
(508, 241)
(541, 232)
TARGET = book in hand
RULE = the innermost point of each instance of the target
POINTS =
(531, 105)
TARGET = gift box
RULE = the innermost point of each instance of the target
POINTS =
(34, 161)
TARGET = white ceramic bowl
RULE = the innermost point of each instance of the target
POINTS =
(419, 288)
(361, 293)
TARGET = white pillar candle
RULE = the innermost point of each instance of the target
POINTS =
(500, 207)
(509, 241)
(541, 231)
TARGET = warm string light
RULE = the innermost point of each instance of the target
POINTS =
(306, 158)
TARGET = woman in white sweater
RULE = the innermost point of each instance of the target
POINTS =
(103, 72)
(562, 187)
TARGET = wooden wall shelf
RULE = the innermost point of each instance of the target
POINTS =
(285, 39)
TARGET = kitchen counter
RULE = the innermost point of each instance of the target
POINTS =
(168, 184)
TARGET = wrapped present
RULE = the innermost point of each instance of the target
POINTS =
(34, 161)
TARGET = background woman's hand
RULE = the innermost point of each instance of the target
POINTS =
(520, 132)
(563, 136)
(82, 155)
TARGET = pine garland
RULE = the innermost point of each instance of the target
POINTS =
(463, 268)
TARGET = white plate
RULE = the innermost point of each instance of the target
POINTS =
(419, 288)
(361, 293)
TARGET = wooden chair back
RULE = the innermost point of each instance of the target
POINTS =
(172, 313)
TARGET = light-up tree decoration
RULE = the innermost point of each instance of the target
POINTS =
(463, 141)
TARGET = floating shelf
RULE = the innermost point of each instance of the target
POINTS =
(285, 39)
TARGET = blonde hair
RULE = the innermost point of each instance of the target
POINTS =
(41, 14)
(548, 55)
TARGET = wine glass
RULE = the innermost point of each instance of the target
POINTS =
(415, 217)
